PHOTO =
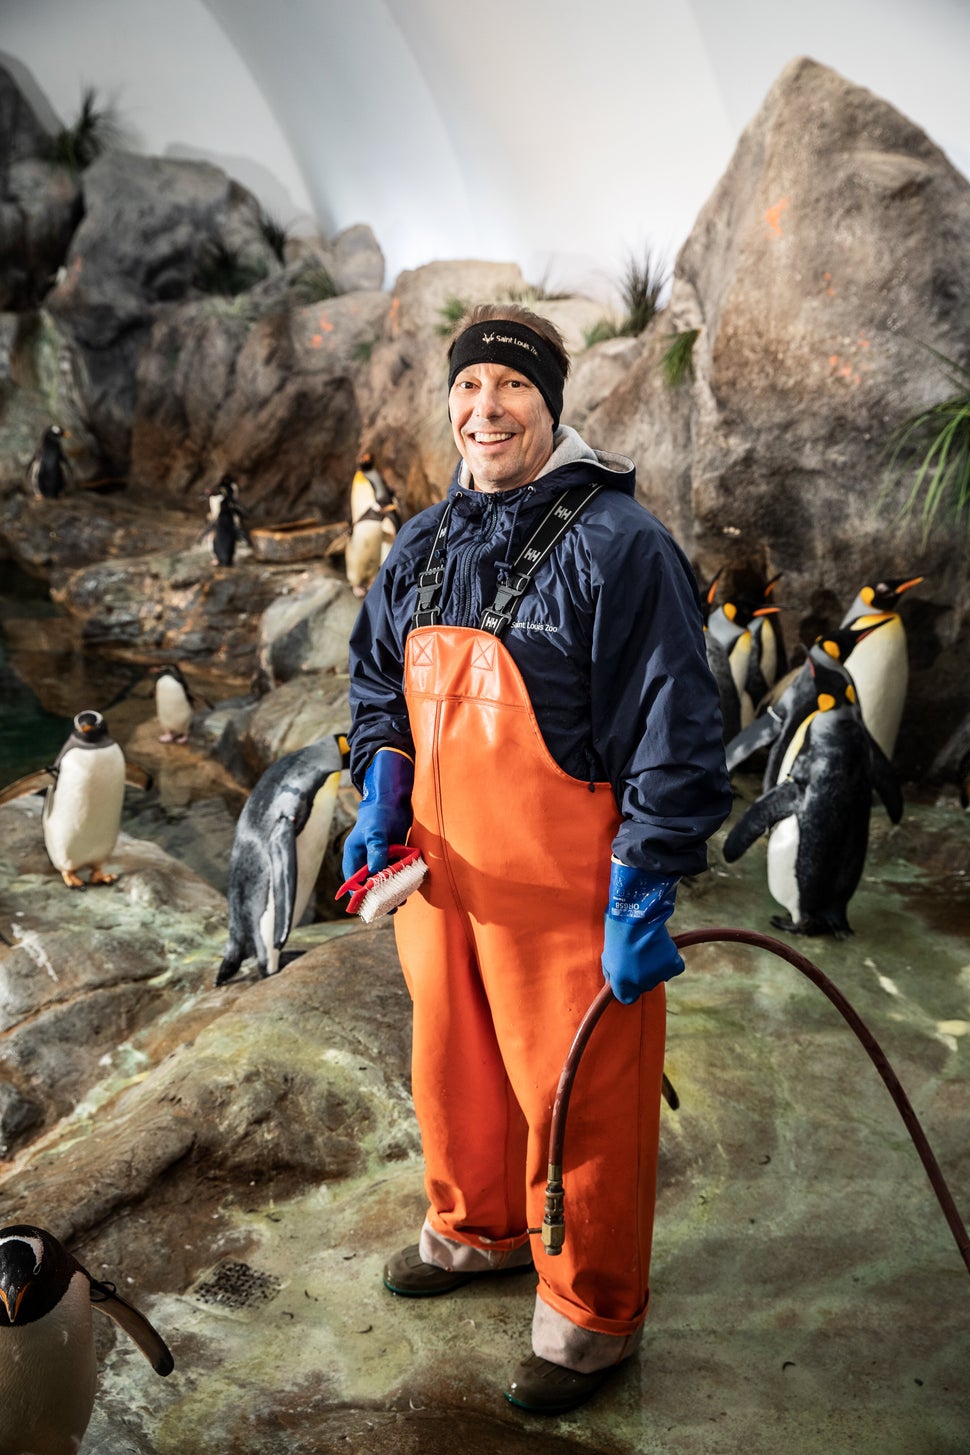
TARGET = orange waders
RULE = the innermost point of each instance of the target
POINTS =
(501, 954)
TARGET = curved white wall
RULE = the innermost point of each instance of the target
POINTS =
(560, 134)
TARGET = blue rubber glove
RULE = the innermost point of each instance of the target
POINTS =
(384, 813)
(638, 953)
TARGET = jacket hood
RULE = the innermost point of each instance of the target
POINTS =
(572, 462)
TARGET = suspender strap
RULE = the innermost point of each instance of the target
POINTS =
(497, 618)
(428, 609)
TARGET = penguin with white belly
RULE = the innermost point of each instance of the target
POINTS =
(818, 813)
(373, 525)
(278, 848)
(48, 1373)
(85, 792)
(880, 666)
(174, 704)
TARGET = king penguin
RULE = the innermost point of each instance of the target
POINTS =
(174, 704)
(82, 808)
(48, 1371)
(48, 471)
(880, 666)
(784, 714)
(818, 812)
(373, 525)
(732, 655)
(278, 847)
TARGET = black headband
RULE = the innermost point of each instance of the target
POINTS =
(499, 341)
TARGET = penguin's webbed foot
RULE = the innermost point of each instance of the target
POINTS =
(166, 737)
(812, 927)
(98, 876)
(227, 970)
(72, 880)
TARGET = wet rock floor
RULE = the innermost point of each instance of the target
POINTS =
(808, 1296)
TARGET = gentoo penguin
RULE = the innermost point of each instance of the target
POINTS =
(49, 471)
(785, 712)
(277, 850)
(880, 666)
(85, 792)
(225, 524)
(818, 813)
(174, 704)
(373, 525)
(48, 1372)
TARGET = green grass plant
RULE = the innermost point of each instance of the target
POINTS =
(935, 442)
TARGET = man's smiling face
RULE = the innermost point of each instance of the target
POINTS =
(501, 424)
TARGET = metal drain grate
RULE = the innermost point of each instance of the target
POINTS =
(236, 1285)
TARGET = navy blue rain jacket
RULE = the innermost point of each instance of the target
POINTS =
(608, 639)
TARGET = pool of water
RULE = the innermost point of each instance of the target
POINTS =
(47, 677)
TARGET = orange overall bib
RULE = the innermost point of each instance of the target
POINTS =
(501, 953)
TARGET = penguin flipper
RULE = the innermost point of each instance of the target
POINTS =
(776, 804)
(135, 1324)
(886, 782)
(32, 783)
(758, 734)
(282, 858)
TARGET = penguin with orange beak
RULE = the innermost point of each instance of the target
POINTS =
(817, 814)
(48, 1372)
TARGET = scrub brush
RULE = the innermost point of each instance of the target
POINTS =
(372, 895)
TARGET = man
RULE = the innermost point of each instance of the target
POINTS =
(532, 705)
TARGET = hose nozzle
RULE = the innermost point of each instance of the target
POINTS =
(554, 1220)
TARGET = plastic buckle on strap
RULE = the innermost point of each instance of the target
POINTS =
(508, 593)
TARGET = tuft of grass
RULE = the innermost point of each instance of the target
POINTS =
(315, 284)
(935, 442)
(274, 233)
(224, 271)
(96, 129)
(450, 312)
(678, 359)
(603, 328)
(641, 287)
(361, 352)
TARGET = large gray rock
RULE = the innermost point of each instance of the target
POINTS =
(353, 258)
(149, 227)
(836, 245)
(261, 387)
(40, 203)
(177, 606)
(308, 630)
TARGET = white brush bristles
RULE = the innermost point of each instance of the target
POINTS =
(390, 888)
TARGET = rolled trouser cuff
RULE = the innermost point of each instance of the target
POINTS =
(556, 1338)
(455, 1257)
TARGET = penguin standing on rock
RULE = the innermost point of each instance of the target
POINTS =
(279, 844)
(48, 473)
(174, 704)
(373, 525)
(225, 525)
(85, 793)
(818, 813)
(48, 1372)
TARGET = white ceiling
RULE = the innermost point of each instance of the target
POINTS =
(564, 135)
